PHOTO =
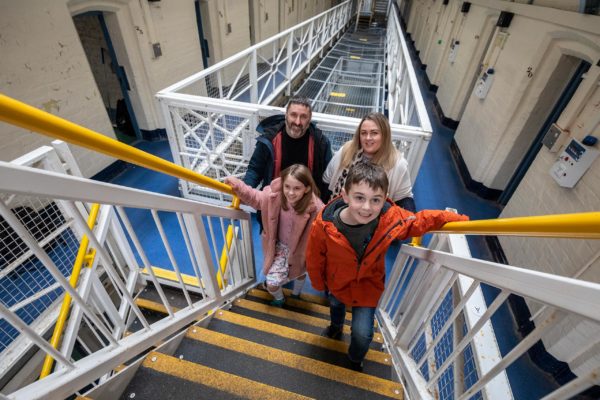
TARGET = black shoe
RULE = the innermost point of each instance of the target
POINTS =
(355, 366)
(332, 333)
(295, 297)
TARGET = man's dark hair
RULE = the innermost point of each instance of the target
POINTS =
(299, 100)
(372, 174)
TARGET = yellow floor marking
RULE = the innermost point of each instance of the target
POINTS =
(294, 316)
(337, 94)
(305, 305)
(305, 364)
(223, 381)
(355, 57)
(295, 334)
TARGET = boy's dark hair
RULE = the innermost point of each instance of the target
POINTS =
(372, 174)
(299, 100)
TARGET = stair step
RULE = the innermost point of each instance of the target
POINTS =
(306, 303)
(294, 316)
(298, 304)
(165, 377)
(296, 335)
(288, 368)
(174, 295)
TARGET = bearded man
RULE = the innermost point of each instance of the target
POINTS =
(287, 140)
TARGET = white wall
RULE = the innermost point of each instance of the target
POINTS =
(44, 65)
(47, 67)
(491, 129)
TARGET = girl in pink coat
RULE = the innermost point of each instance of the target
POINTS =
(289, 205)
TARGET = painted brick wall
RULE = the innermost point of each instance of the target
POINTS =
(43, 65)
(177, 31)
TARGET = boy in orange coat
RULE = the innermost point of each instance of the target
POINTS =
(346, 250)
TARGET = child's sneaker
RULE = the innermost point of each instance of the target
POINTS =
(355, 366)
(295, 296)
(277, 303)
(332, 333)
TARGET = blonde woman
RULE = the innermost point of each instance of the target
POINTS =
(372, 141)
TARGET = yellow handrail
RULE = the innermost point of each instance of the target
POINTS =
(20, 114)
(28, 117)
(66, 304)
(577, 226)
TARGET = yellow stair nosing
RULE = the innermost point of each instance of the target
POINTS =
(319, 368)
(305, 305)
(153, 306)
(217, 379)
(298, 335)
(294, 316)
(310, 297)
(172, 276)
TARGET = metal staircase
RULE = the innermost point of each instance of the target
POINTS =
(255, 351)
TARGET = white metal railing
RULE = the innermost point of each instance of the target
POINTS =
(216, 138)
(439, 330)
(211, 116)
(27, 288)
(262, 72)
(405, 101)
(131, 234)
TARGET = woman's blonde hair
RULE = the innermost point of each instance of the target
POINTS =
(386, 156)
(303, 175)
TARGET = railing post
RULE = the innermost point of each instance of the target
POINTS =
(253, 72)
(288, 64)
(207, 273)
(311, 28)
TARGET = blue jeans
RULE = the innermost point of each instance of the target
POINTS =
(363, 319)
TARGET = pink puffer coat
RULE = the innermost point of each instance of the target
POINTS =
(269, 202)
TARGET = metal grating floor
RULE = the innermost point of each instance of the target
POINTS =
(350, 80)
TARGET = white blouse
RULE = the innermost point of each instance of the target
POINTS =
(399, 178)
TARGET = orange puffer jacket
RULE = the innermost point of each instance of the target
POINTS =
(333, 264)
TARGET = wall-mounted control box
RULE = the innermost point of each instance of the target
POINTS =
(572, 163)
(453, 51)
(484, 83)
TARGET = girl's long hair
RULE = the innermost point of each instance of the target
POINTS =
(386, 156)
(302, 174)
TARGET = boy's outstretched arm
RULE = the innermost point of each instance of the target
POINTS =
(316, 257)
(430, 220)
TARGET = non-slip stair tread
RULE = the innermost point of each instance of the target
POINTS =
(166, 377)
(262, 326)
(297, 305)
(174, 296)
(291, 323)
(294, 316)
(151, 316)
(283, 369)
(311, 348)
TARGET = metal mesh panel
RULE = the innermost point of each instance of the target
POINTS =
(350, 80)
(470, 375)
(26, 286)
